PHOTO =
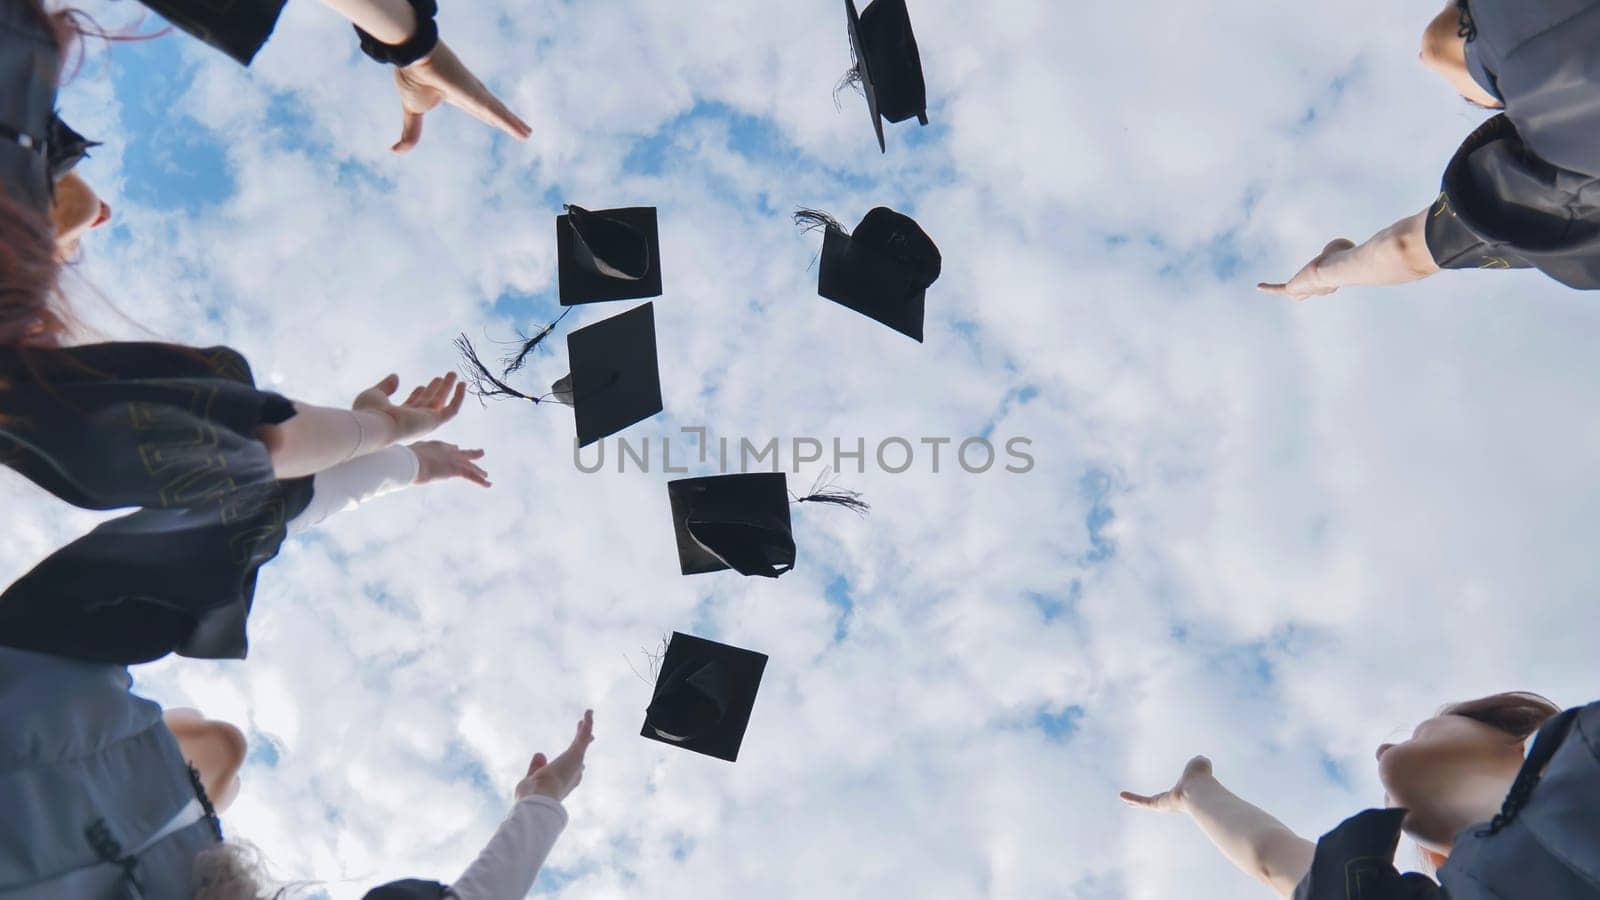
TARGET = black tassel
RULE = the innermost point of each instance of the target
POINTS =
(814, 219)
(512, 364)
(483, 382)
(823, 491)
(850, 81)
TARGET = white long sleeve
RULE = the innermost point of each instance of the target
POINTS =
(510, 861)
(350, 484)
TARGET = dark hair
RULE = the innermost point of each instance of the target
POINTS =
(1517, 713)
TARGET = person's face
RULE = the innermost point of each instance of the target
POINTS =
(76, 211)
(1444, 51)
(1452, 772)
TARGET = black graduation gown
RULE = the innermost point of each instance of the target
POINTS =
(167, 429)
(1547, 847)
(1524, 189)
(236, 27)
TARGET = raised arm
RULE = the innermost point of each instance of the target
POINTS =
(318, 438)
(1255, 842)
(390, 21)
(1396, 255)
(424, 81)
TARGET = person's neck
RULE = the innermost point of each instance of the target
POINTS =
(1478, 798)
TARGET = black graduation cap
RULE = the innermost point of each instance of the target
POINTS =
(614, 379)
(887, 63)
(882, 270)
(703, 697)
(67, 148)
(608, 254)
(741, 521)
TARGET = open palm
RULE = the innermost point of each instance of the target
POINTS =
(427, 407)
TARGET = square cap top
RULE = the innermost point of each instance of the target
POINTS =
(615, 380)
(703, 697)
(738, 522)
(607, 254)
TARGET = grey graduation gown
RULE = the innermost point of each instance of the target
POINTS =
(1545, 845)
(1524, 190)
(88, 771)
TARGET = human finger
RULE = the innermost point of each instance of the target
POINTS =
(538, 762)
(454, 405)
(478, 102)
(410, 132)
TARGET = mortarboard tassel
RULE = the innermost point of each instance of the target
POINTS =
(850, 81)
(483, 381)
(814, 219)
(528, 344)
(823, 491)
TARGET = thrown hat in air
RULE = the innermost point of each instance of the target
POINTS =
(703, 697)
(608, 254)
(613, 379)
(887, 64)
(741, 522)
(882, 269)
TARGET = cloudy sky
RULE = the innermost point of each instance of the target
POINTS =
(1276, 534)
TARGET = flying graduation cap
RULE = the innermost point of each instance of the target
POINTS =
(882, 269)
(608, 254)
(741, 521)
(703, 697)
(887, 65)
(614, 379)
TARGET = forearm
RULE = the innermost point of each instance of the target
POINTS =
(390, 21)
(350, 484)
(511, 860)
(319, 438)
(1255, 842)
(1395, 255)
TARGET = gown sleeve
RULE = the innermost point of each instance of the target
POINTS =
(1502, 207)
(1355, 861)
(508, 864)
(238, 28)
(169, 430)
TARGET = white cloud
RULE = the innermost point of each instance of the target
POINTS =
(1381, 497)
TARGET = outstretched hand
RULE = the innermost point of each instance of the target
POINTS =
(437, 461)
(1308, 282)
(428, 406)
(441, 77)
(557, 777)
(1174, 800)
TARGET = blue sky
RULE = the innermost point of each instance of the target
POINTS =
(1270, 533)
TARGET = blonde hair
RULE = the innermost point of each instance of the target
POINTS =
(237, 870)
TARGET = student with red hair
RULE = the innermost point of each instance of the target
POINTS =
(1500, 819)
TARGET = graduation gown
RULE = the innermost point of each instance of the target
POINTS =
(168, 430)
(81, 755)
(1549, 849)
(1524, 190)
(236, 27)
